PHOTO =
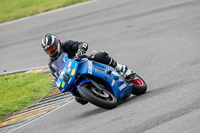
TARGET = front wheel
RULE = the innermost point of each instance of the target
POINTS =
(139, 85)
(103, 98)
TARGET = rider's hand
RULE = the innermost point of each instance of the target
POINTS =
(79, 53)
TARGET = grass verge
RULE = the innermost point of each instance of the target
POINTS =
(15, 9)
(20, 90)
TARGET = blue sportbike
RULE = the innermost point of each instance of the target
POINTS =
(95, 82)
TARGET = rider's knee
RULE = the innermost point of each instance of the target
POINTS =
(102, 57)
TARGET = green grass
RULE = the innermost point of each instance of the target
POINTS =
(15, 9)
(20, 90)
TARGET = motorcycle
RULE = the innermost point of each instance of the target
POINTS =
(95, 82)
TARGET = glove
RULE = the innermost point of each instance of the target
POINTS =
(78, 54)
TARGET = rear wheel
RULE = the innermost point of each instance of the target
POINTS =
(139, 85)
(103, 98)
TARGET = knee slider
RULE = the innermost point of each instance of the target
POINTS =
(105, 53)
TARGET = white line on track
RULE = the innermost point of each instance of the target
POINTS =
(41, 116)
(48, 12)
(23, 70)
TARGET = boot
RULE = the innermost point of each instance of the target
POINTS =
(123, 70)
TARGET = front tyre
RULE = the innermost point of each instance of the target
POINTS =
(103, 99)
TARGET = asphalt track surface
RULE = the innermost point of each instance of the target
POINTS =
(159, 39)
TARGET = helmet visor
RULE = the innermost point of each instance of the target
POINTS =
(51, 50)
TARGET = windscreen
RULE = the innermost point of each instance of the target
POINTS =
(58, 65)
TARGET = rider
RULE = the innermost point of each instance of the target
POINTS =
(54, 48)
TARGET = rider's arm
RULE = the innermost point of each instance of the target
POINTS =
(74, 46)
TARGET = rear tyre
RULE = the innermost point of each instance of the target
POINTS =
(139, 86)
(103, 99)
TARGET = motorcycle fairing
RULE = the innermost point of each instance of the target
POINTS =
(72, 70)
